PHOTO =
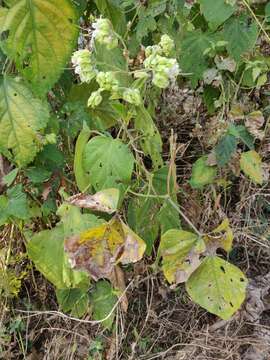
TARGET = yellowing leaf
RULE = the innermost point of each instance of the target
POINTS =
(22, 117)
(40, 38)
(202, 174)
(99, 249)
(251, 165)
(217, 286)
(180, 251)
(226, 239)
(105, 201)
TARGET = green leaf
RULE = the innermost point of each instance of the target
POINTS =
(180, 251)
(38, 175)
(150, 142)
(22, 116)
(41, 36)
(103, 300)
(109, 163)
(267, 12)
(217, 286)
(10, 177)
(112, 10)
(46, 250)
(202, 174)
(81, 176)
(225, 149)
(216, 11)
(75, 301)
(241, 132)
(168, 217)
(145, 25)
(3, 207)
(192, 58)
(210, 95)
(241, 35)
(251, 165)
(17, 203)
(142, 218)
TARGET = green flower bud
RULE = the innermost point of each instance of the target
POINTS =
(84, 67)
(132, 96)
(167, 44)
(152, 50)
(94, 99)
(107, 81)
(104, 33)
(161, 80)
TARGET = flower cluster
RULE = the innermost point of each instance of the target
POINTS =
(83, 64)
(164, 69)
(104, 33)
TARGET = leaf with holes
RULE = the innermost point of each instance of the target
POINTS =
(241, 35)
(216, 11)
(40, 35)
(180, 252)
(109, 163)
(22, 118)
(202, 174)
(217, 286)
(251, 165)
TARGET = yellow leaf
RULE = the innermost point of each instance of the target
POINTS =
(251, 165)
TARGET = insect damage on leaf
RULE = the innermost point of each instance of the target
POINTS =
(99, 249)
(104, 201)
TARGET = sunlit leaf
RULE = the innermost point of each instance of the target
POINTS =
(217, 286)
(251, 165)
(109, 163)
(22, 117)
(40, 38)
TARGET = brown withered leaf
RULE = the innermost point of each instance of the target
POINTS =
(104, 201)
(254, 122)
(118, 282)
(99, 249)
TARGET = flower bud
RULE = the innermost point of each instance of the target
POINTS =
(94, 99)
(84, 67)
(132, 96)
(166, 44)
(107, 81)
(104, 33)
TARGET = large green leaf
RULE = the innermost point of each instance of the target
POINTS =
(216, 11)
(40, 38)
(22, 116)
(46, 248)
(109, 163)
(192, 58)
(241, 34)
(103, 300)
(217, 286)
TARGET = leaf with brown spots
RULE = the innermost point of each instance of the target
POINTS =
(100, 249)
(104, 201)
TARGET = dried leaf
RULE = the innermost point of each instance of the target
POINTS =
(99, 249)
(118, 282)
(104, 201)
(254, 121)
